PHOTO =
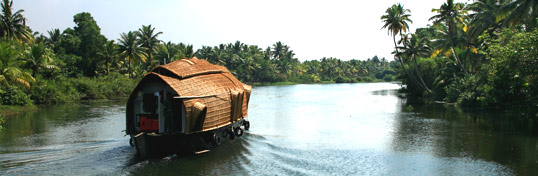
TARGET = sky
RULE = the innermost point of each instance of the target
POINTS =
(344, 29)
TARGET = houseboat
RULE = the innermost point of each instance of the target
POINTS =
(186, 106)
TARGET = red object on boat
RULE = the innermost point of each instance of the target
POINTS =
(147, 124)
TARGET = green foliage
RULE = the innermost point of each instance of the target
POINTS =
(11, 72)
(342, 80)
(130, 50)
(388, 78)
(250, 63)
(37, 57)
(408, 108)
(466, 91)
(476, 60)
(514, 70)
(147, 38)
(13, 25)
(2, 121)
(14, 96)
(91, 42)
(65, 90)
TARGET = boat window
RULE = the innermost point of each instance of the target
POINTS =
(150, 103)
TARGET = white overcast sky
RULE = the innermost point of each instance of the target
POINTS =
(313, 29)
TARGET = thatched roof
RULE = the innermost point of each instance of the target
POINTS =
(225, 97)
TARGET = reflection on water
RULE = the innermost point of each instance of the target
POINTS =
(334, 129)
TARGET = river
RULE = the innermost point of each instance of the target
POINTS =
(325, 129)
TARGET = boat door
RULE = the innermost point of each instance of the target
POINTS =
(157, 111)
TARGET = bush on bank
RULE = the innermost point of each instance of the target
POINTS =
(63, 90)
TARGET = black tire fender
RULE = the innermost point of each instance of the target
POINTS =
(231, 134)
(216, 139)
(246, 124)
(238, 131)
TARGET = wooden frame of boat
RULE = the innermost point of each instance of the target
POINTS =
(186, 106)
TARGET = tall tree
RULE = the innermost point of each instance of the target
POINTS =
(185, 51)
(451, 14)
(166, 52)
(130, 49)
(413, 49)
(91, 42)
(488, 15)
(148, 39)
(278, 50)
(13, 25)
(522, 12)
(54, 37)
(108, 53)
(396, 22)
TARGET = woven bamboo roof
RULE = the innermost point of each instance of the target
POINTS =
(197, 77)
(185, 68)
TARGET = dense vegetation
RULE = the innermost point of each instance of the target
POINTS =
(80, 63)
(479, 54)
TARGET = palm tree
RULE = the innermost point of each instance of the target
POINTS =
(167, 52)
(148, 39)
(488, 16)
(10, 72)
(130, 49)
(186, 51)
(396, 21)
(451, 14)
(37, 57)
(249, 66)
(13, 25)
(54, 36)
(219, 54)
(278, 50)
(413, 49)
(522, 12)
(108, 53)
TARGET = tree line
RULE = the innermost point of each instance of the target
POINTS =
(80, 63)
(482, 53)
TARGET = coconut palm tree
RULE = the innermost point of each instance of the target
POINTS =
(148, 38)
(167, 52)
(185, 51)
(522, 12)
(278, 50)
(54, 36)
(397, 22)
(108, 53)
(248, 65)
(13, 25)
(488, 15)
(451, 14)
(10, 72)
(413, 49)
(38, 57)
(130, 49)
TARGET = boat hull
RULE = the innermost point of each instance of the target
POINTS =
(151, 145)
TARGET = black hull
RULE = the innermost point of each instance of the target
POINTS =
(156, 145)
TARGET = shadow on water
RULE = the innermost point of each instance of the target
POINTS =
(502, 137)
(230, 158)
